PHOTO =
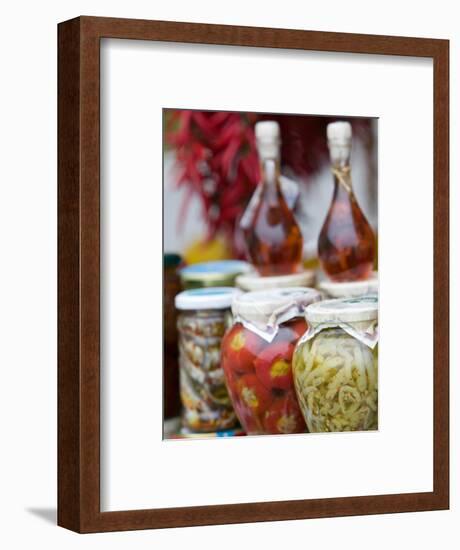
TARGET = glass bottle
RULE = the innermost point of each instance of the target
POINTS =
(273, 238)
(346, 244)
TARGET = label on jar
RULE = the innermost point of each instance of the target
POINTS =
(365, 332)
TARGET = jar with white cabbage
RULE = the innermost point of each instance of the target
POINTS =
(335, 365)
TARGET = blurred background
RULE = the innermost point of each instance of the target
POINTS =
(211, 171)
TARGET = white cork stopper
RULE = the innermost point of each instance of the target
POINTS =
(339, 140)
(268, 138)
(267, 129)
(339, 132)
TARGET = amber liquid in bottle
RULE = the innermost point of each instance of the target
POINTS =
(273, 238)
(346, 245)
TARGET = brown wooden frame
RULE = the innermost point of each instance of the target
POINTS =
(78, 288)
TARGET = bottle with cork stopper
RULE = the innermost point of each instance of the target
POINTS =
(273, 238)
(346, 244)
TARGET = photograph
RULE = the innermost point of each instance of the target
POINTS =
(270, 259)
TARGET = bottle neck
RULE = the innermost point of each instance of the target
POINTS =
(341, 169)
(270, 174)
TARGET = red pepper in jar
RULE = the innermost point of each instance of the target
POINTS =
(284, 416)
(241, 348)
(273, 366)
(299, 326)
(253, 394)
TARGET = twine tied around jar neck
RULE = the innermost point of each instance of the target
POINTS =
(342, 173)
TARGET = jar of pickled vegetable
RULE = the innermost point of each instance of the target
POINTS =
(204, 315)
(172, 287)
(256, 358)
(335, 365)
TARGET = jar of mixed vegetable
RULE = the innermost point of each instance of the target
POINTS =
(204, 315)
(256, 358)
(336, 365)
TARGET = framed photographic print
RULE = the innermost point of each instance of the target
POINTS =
(253, 274)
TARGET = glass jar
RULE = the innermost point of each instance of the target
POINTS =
(335, 366)
(257, 355)
(172, 287)
(204, 315)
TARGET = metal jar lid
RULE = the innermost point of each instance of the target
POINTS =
(206, 298)
(221, 273)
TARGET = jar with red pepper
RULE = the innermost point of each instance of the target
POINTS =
(257, 358)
